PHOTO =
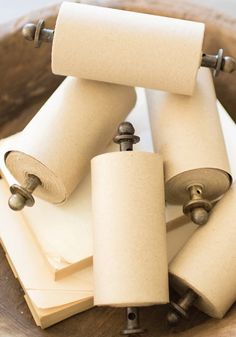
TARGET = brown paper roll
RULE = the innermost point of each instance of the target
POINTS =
(187, 132)
(128, 48)
(207, 263)
(130, 258)
(76, 123)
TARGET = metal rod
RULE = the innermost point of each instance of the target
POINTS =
(219, 62)
(132, 325)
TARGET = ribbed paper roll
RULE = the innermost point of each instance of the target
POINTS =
(130, 258)
(76, 123)
(128, 48)
(207, 263)
(187, 132)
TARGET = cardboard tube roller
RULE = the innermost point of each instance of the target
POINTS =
(187, 132)
(127, 48)
(207, 263)
(75, 124)
(130, 258)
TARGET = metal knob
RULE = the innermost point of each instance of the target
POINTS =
(133, 326)
(198, 208)
(219, 62)
(126, 137)
(37, 33)
(180, 309)
(22, 195)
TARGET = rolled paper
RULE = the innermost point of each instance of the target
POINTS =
(75, 124)
(130, 258)
(187, 132)
(127, 48)
(207, 263)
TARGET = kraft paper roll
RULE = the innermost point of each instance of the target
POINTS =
(187, 132)
(76, 123)
(207, 263)
(127, 48)
(130, 258)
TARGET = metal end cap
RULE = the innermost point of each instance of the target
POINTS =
(20, 198)
(28, 31)
(199, 216)
(126, 128)
(172, 318)
(198, 210)
(16, 202)
(229, 64)
(126, 133)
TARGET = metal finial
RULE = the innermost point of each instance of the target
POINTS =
(22, 195)
(198, 208)
(126, 137)
(132, 318)
(180, 309)
(37, 33)
(219, 62)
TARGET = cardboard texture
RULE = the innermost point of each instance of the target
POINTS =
(207, 263)
(128, 48)
(187, 132)
(46, 297)
(129, 229)
(76, 123)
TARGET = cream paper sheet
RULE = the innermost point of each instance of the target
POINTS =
(29, 265)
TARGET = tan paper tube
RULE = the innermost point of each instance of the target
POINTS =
(207, 263)
(75, 124)
(130, 258)
(187, 132)
(127, 48)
